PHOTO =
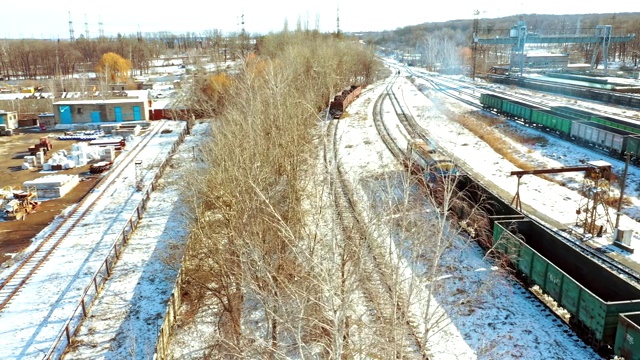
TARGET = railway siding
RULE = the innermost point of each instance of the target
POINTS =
(48, 304)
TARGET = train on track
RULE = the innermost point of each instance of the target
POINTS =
(340, 102)
(616, 136)
(603, 307)
(425, 159)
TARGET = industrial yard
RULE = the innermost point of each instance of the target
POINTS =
(16, 235)
(385, 223)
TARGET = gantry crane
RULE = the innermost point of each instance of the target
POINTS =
(595, 189)
(519, 36)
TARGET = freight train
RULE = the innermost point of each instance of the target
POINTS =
(614, 135)
(603, 308)
(340, 102)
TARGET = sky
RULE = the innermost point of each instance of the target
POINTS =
(47, 19)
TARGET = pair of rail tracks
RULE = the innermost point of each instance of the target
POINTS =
(626, 269)
(388, 304)
(20, 275)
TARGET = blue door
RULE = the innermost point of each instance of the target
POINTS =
(136, 113)
(118, 111)
(65, 114)
(95, 116)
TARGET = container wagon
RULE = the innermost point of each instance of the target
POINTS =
(573, 112)
(617, 122)
(593, 295)
(627, 342)
(519, 110)
(492, 102)
(605, 137)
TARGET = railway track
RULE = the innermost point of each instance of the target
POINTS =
(387, 302)
(623, 267)
(19, 276)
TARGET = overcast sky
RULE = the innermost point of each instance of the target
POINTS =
(50, 19)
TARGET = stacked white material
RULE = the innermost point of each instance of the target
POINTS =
(39, 158)
(78, 157)
(108, 153)
(81, 153)
(52, 186)
(58, 159)
(29, 162)
(127, 131)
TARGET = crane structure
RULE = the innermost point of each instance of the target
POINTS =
(519, 36)
(595, 190)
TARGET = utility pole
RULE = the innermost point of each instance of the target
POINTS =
(627, 157)
(86, 28)
(474, 51)
(71, 36)
(100, 29)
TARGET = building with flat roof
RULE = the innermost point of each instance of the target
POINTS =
(9, 119)
(96, 111)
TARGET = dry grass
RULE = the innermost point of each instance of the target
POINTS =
(492, 130)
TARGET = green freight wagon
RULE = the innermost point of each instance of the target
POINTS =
(573, 112)
(632, 146)
(590, 292)
(491, 102)
(617, 122)
(628, 336)
(518, 110)
(552, 121)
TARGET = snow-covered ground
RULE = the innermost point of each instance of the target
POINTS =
(36, 315)
(503, 321)
(125, 319)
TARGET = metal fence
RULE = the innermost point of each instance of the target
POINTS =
(71, 326)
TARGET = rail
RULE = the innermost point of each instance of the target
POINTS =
(63, 339)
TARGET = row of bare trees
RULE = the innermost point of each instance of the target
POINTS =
(266, 261)
(251, 250)
(42, 58)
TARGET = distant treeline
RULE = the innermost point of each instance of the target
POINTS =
(45, 58)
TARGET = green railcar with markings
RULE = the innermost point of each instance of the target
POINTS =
(593, 295)
(552, 121)
(628, 336)
(572, 112)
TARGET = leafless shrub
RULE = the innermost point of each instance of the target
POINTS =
(249, 247)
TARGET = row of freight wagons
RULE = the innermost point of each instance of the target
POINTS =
(572, 123)
(604, 307)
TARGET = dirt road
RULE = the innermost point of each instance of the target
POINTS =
(17, 235)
